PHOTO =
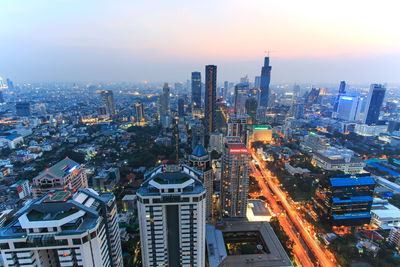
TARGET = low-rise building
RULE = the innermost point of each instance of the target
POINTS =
(257, 211)
(384, 215)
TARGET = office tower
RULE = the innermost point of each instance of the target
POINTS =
(196, 89)
(296, 111)
(241, 95)
(313, 96)
(226, 90)
(264, 82)
(296, 90)
(2, 83)
(251, 108)
(374, 103)
(64, 228)
(139, 118)
(107, 101)
(348, 200)
(66, 174)
(244, 79)
(201, 161)
(237, 126)
(210, 91)
(163, 101)
(171, 212)
(342, 91)
(10, 84)
(181, 107)
(23, 109)
(257, 82)
(178, 87)
(234, 177)
(1, 96)
(347, 108)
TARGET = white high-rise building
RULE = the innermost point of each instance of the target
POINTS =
(172, 211)
(347, 108)
(64, 228)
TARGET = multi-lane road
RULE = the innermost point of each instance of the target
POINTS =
(305, 246)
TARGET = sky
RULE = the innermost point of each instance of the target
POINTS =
(136, 40)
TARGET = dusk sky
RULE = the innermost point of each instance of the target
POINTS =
(121, 40)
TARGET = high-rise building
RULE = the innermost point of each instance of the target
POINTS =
(107, 101)
(171, 212)
(178, 88)
(197, 133)
(226, 90)
(374, 103)
(257, 82)
(201, 160)
(342, 91)
(23, 109)
(313, 96)
(265, 80)
(234, 178)
(64, 228)
(181, 107)
(163, 101)
(251, 108)
(210, 98)
(10, 84)
(348, 200)
(139, 117)
(241, 95)
(237, 126)
(347, 108)
(196, 89)
(1, 97)
(244, 79)
(66, 174)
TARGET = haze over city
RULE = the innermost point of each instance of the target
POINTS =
(310, 41)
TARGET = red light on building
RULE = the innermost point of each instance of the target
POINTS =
(238, 150)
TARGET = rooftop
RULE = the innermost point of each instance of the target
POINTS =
(63, 168)
(352, 181)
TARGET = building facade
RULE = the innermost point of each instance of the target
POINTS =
(171, 210)
(210, 99)
(265, 80)
(64, 228)
(374, 103)
(238, 126)
(196, 90)
(107, 101)
(234, 177)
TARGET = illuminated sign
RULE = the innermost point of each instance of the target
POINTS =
(346, 98)
(238, 150)
(72, 169)
(262, 128)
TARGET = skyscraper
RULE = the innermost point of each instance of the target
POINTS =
(374, 103)
(241, 95)
(10, 84)
(1, 96)
(171, 212)
(342, 91)
(64, 228)
(163, 101)
(210, 95)
(181, 107)
(348, 107)
(201, 160)
(139, 118)
(196, 89)
(234, 178)
(264, 82)
(237, 126)
(251, 108)
(107, 101)
(226, 90)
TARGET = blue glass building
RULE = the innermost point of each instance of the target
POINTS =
(264, 82)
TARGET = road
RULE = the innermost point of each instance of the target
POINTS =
(323, 259)
(299, 248)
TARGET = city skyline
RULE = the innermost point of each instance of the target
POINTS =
(309, 42)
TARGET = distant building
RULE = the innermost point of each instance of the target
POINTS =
(181, 107)
(196, 90)
(241, 95)
(265, 80)
(238, 126)
(107, 101)
(348, 108)
(374, 103)
(20, 189)
(394, 236)
(11, 140)
(106, 180)
(210, 99)
(313, 97)
(23, 109)
(338, 159)
(235, 178)
(163, 101)
(315, 142)
(1, 97)
(64, 228)
(261, 133)
(66, 174)
(171, 211)
(349, 200)
(342, 91)
(139, 114)
(129, 202)
(216, 142)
